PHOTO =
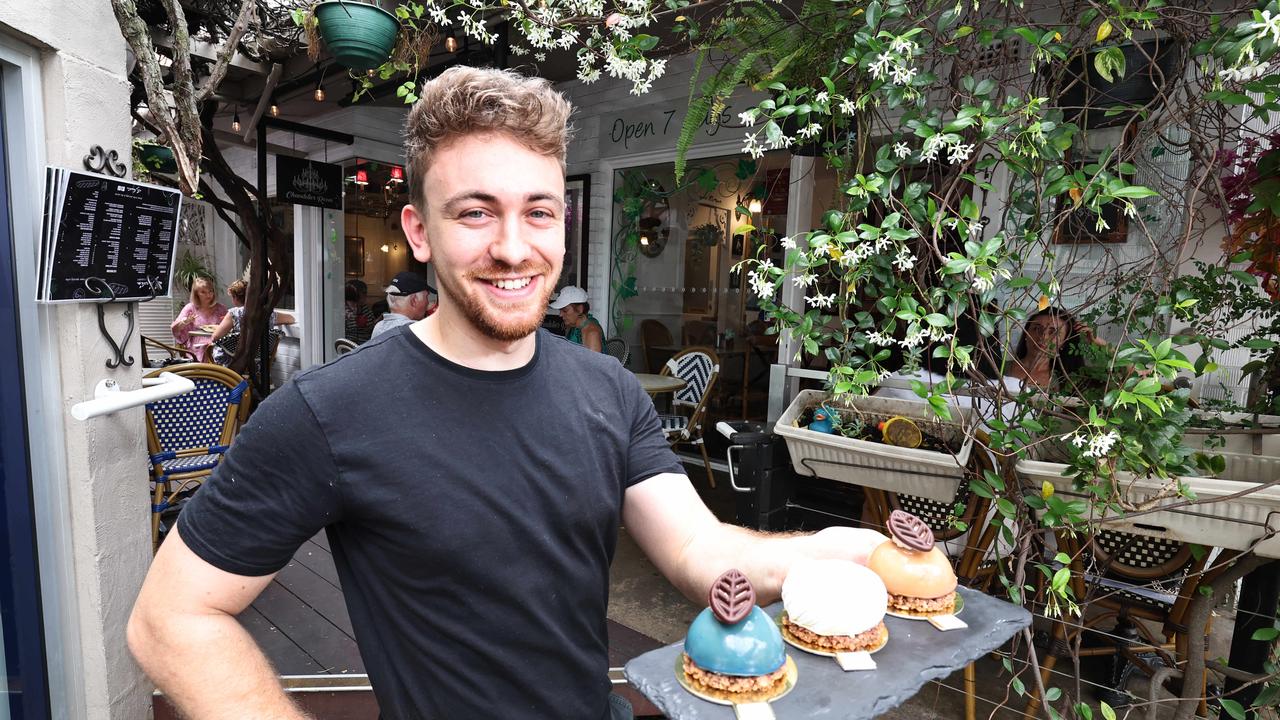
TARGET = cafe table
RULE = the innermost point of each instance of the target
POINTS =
(657, 384)
(734, 354)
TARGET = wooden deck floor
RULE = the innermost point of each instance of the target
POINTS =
(301, 623)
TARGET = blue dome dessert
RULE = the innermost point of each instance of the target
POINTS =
(733, 650)
(752, 646)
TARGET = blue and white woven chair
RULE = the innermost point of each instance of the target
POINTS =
(188, 434)
(698, 367)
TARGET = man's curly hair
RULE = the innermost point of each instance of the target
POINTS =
(466, 100)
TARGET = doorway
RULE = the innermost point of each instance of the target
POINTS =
(22, 663)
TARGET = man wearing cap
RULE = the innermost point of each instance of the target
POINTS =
(409, 299)
(580, 326)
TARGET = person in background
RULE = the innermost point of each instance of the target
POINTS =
(1052, 348)
(408, 301)
(231, 323)
(359, 318)
(580, 326)
(203, 309)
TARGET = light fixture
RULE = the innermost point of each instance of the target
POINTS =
(371, 72)
(397, 175)
(275, 107)
(235, 120)
(362, 177)
(319, 93)
(451, 44)
(385, 248)
(644, 240)
(755, 205)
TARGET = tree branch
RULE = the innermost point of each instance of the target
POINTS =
(227, 52)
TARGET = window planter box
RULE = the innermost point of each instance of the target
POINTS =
(1234, 524)
(914, 471)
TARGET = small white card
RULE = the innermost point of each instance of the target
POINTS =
(947, 622)
(753, 711)
(855, 661)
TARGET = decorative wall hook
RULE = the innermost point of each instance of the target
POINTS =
(104, 288)
(106, 162)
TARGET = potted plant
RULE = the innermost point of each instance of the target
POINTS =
(855, 451)
(151, 157)
(361, 36)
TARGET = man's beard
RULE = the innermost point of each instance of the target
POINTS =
(510, 324)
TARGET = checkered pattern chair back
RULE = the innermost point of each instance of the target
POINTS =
(617, 347)
(697, 368)
(208, 417)
(935, 514)
(1138, 557)
(230, 342)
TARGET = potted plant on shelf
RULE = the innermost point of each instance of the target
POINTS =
(151, 157)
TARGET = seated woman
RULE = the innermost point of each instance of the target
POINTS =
(580, 326)
(1053, 347)
(231, 323)
(203, 309)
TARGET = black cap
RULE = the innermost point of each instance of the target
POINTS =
(408, 283)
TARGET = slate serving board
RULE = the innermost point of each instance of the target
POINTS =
(916, 654)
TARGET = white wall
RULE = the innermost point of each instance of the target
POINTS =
(92, 515)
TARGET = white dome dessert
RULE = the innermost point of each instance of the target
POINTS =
(836, 605)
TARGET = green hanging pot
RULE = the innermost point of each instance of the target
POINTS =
(157, 158)
(360, 36)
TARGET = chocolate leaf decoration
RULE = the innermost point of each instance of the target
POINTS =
(732, 597)
(910, 531)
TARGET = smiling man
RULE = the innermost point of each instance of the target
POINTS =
(472, 505)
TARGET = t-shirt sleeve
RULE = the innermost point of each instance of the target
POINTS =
(650, 453)
(276, 488)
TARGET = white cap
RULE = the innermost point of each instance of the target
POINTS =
(568, 296)
(834, 597)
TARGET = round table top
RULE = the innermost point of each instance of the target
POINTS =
(659, 383)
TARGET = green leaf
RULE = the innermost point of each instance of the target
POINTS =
(937, 320)
(646, 42)
(1265, 634)
(1233, 708)
(1107, 712)
(1134, 192)
(1052, 694)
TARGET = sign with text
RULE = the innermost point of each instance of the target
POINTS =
(647, 128)
(308, 182)
(95, 226)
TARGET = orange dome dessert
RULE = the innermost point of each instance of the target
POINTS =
(917, 575)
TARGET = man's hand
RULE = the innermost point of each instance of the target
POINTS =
(845, 543)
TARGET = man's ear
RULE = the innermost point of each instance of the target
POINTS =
(415, 231)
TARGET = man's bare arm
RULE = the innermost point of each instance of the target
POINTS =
(184, 634)
(691, 547)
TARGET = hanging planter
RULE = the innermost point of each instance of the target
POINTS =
(360, 36)
(156, 158)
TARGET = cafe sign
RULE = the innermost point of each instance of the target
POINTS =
(308, 182)
(649, 128)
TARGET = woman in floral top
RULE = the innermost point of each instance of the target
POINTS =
(203, 309)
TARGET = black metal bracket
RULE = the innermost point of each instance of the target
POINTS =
(106, 162)
(118, 349)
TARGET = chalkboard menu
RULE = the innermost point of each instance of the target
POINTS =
(122, 233)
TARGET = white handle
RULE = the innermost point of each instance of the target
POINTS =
(109, 398)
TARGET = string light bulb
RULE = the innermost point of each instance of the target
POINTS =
(451, 44)
(319, 94)
(275, 107)
(755, 205)
(235, 120)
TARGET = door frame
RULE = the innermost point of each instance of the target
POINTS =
(25, 155)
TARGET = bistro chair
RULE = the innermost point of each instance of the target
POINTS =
(1130, 578)
(173, 354)
(653, 335)
(617, 347)
(188, 434)
(230, 342)
(342, 346)
(698, 367)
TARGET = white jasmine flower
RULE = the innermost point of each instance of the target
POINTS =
(959, 153)
(1101, 225)
(761, 284)
(540, 56)
(1079, 440)
(1270, 25)
(932, 145)
(1130, 210)
(905, 260)
(914, 338)
(752, 147)
(882, 66)
(822, 97)
(846, 106)
(982, 283)
(1100, 445)
(975, 228)
(805, 280)
(875, 337)
(747, 117)
(809, 130)
(903, 74)
(821, 301)
(903, 46)
(788, 243)
(901, 150)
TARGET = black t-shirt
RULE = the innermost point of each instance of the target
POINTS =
(472, 516)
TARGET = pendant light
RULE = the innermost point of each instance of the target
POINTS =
(235, 120)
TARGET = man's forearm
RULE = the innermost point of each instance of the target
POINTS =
(209, 667)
